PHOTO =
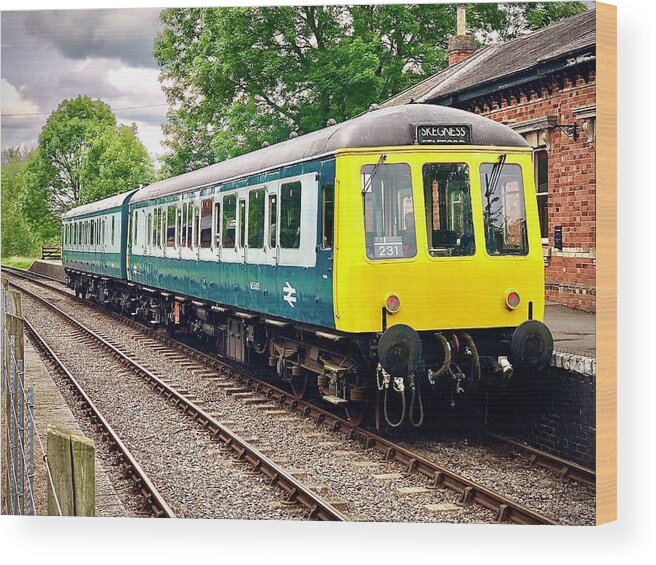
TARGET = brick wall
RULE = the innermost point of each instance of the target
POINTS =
(570, 274)
(555, 412)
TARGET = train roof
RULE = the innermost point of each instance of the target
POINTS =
(384, 127)
(115, 201)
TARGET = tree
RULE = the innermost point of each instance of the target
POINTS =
(17, 238)
(82, 155)
(237, 77)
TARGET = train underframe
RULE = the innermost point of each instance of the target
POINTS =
(382, 375)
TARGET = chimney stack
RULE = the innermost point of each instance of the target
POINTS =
(461, 45)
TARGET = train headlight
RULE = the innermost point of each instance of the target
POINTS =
(393, 304)
(512, 299)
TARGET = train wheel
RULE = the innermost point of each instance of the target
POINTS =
(298, 386)
(355, 412)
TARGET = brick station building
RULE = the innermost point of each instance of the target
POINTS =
(543, 86)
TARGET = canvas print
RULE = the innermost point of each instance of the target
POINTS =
(301, 262)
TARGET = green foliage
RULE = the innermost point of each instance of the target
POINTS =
(17, 238)
(82, 156)
(237, 77)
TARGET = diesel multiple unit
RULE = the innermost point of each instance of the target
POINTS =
(375, 259)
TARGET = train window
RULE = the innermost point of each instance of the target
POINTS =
(206, 223)
(229, 220)
(170, 226)
(217, 224)
(273, 217)
(504, 212)
(196, 210)
(389, 217)
(149, 229)
(92, 233)
(290, 215)
(327, 216)
(178, 223)
(113, 228)
(134, 229)
(256, 219)
(447, 200)
(242, 223)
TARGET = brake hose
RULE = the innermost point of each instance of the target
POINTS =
(476, 363)
(416, 394)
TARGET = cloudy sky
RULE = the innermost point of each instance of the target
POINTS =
(51, 55)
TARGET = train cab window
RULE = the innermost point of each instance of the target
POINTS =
(273, 220)
(206, 223)
(170, 226)
(242, 223)
(229, 220)
(389, 218)
(256, 219)
(447, 201)
(327, 216)
(504, 211)
(290, 215)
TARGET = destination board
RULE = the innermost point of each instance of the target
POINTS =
(435, 134)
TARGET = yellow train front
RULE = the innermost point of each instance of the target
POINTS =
(438, 254)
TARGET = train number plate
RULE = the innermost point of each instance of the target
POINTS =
(385, 247)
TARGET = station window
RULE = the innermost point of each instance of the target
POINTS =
(170, 226)
(504, 212)
(273, 223)
(206, 223)
(242, 223)
(229, 220)
(542, 192)
(256, 219)
(327, 216)
(389, 217)
(217, 224)
(290, 215)
(447, 200)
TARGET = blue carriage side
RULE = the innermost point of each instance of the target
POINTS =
(257, 243)
(94, 237)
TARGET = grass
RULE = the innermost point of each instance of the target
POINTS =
(18, 262)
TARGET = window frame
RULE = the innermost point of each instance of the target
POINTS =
(522, 192)
(372, 165)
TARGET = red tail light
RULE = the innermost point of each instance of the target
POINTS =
(393, 304)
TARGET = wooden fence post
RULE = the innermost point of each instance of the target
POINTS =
(15, 413)
(72, 463)
(16, 301)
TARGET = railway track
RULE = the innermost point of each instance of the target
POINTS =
(440, 476)
(154, 501)
(295, 492)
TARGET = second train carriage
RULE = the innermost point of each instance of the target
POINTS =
(394, 251)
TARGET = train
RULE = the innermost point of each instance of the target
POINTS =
(392, 255)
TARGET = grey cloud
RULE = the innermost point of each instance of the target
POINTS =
(126, 35)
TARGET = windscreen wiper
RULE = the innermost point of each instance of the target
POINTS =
(367, 185)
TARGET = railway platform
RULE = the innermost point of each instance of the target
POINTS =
(50, 267)
(574, 338)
